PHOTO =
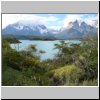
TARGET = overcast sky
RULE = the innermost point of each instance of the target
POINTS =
(54, 21)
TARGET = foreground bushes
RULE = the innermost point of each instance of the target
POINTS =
(73, 65)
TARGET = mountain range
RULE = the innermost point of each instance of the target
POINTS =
(73, 30)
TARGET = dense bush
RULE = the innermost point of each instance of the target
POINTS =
(67, 74)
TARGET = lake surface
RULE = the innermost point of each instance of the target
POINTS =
(47, 46)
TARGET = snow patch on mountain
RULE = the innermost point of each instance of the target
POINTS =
(74, 29)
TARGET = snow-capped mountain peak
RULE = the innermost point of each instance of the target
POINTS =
(23, 28)
(73, 25)
(76, 30)
(73, 30)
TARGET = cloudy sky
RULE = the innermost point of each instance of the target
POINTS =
(54, 21)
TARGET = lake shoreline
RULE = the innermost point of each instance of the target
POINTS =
(47, 46)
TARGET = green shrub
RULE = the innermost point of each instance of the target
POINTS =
(29, 62)
(9, 76)
(92, 82)
(67, 74)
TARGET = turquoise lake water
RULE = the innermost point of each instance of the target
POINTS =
(47, 46)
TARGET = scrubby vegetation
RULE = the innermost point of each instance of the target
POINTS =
(73, 65)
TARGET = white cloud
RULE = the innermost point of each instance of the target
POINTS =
(55, 27)
(26, 18)
(9, 19)
(70, 18)
(51, 21)
(80, 17)
(91, 20)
